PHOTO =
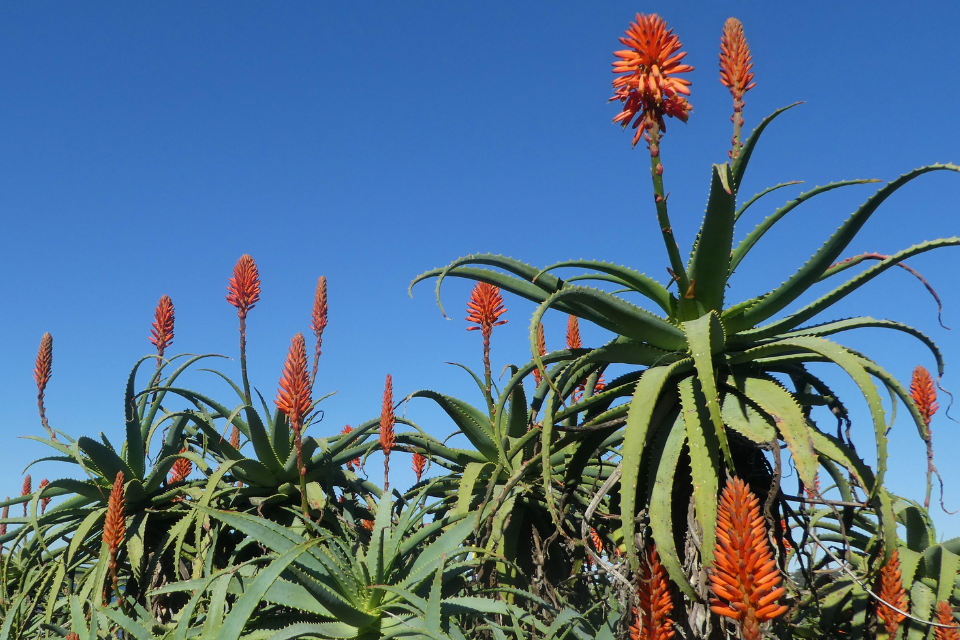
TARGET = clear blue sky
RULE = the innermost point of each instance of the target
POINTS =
(144, 148)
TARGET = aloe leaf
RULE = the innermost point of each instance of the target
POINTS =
(661, 510)
(795, 286)
(636, 281)
(710, 263)
(107, 462)
(852, 366)
(922, 601)
(474, 424)
(136, 452)
(741, 415)
(429, 558)
(468, 480)
(743, 208)
(781, 406)
(638, 429)
(845, 289)
(316, 629)
(705, 335)
(236, 620)
(704, 464)
(261, 442)
(743, 158)
(754, 236)
(616, 315)
(290, 594)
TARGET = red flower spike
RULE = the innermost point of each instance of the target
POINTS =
(649, 87)
(573, 333)
(735, 61)
(180, 470)
(42, 372)
(387, 419)
(115, 527)
(652, 619)
(542, 351)
(924, 393)
(485, 308)
(161, 333)
(945, 616)
(25, 491)
(293, 396)
(44, 501)
(745, 580)
(891, 590)
(419, 464)
(355, 463)
(243, 290)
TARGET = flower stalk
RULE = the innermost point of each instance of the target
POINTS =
(924, 396)
(484, 309)
(542, 350)
(318, 322)
(41, 374)
(387, 437)
(243, 292)
(293, 399)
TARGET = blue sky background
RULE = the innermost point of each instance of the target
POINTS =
(145, 147)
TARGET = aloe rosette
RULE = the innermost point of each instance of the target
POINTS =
(710, 387)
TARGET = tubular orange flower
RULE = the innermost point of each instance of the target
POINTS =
(41, 374)
(180, 470)
(652, 620)
(945, 616)
(541, 350)
(573, 333)
(243, 289)
(387, 420)
(318, 320)
(25, 491)
(485, 308)
(649, 86)
(161, 333)
(419, 464)
(735, 61)
(924, 393)
(891, 591)
(368, 525)
(596, 540)
(293, 396)
(745, 580)
(44, 501)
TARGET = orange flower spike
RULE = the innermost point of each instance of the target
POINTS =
(573, 333)
(924, 393)
(419, 464)
(735, 60)
(44, 501)
(649, 86)
(293, 396)
(243, 289)
(115, 526)
(25, 491)
(485, 308)
(387, 421)
(318, 319)
(945, 616)
(891, 591)
(235, 438)
(745, 580)
(652, 621)
(180, 470)
(541, 350)
(42, 371)
(368, 525)
(596, 540)
(161, 332)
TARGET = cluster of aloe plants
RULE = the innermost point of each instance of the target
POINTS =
(635, 488)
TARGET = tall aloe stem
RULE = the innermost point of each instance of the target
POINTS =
(663, 218)
(243, 360)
